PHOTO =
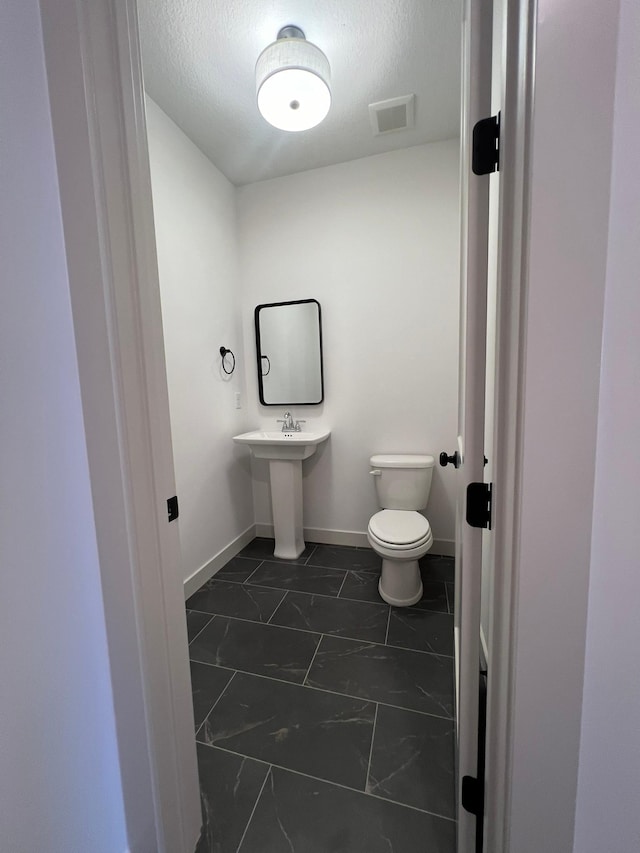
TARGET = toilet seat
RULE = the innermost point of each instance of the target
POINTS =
(401, 538)
(399, 530)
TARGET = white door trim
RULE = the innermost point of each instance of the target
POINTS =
(95, 86)
(518, 76)
(476, 105)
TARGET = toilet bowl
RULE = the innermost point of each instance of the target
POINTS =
(400, 534)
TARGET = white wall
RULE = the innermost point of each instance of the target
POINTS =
(195, 215)
(376, 242)
(60, 787)
(607, 815)
(571, 156)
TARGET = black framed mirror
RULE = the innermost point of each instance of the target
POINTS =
(289, 350)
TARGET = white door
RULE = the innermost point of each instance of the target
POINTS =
(476, 104)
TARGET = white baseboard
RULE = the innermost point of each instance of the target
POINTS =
(352, 538)
(202, 575)
(321, 536)
(443, 547)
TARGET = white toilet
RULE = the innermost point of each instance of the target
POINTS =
(399, 533)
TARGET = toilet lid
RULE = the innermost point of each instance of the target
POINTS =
(399, 527)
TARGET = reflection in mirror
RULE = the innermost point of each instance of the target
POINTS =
(289, 349)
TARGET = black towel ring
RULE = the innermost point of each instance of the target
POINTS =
(268, 365)
(225, 352)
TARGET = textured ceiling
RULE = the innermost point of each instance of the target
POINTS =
(199, 58)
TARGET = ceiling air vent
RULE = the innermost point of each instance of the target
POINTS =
(392, 115)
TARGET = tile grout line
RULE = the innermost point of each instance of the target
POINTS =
(312, 660)
(330, 782)
(346, 572)
(373, 736)
(247, 579)
(430, 557)
(386, 636)
(307, 564)
(313, 551)
(324, 595)
(284, 627)
(213, 616)
(357, 570)
(335, 636)
(275, 610)
(224, 690)
(209, 586)
(321, 690)
(255, 806)
(257, 560)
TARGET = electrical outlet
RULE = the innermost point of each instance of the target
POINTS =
(238, 400)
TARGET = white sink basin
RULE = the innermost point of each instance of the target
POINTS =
(282, 445)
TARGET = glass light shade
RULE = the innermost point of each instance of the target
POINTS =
(292, 81)
(294, 99)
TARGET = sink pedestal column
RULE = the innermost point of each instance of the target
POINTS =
(286, 504)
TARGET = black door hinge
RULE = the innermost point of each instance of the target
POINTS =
(472, 795)
(479, 499)
(485, 149)
(172, 508)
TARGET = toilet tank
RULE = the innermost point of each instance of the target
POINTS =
(403, 481)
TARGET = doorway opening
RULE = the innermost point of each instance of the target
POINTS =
(97, 95)
(369, 227)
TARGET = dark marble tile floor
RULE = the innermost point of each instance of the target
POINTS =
(422, 630)
(322, 734)
(233, 599)
(411, 760)
(196, 622)
(450, 590)
(402, 677)
(229, 787)
(252, 647)
(297, 814)
(359, 620)
(207, 684)
(238, 569)
(323, 716)
(318, 579)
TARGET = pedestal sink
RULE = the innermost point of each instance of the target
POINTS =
(285, 452)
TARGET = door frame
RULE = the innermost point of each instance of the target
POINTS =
(96, 95)
(477, 31)
(518, 77)
(97, 107)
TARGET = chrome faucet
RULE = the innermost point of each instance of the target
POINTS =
(288, 424)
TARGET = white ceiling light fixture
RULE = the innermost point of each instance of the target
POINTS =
(292, 82)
